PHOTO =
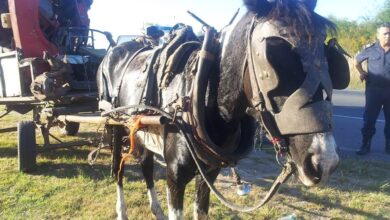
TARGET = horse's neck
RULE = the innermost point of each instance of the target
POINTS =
(233, 54)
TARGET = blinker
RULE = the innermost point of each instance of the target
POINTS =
(299, 114)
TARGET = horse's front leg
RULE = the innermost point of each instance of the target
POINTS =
(147, 171)
(117, 172)
(120, 202)
(175, 199)
(180, 171)
(202, 195)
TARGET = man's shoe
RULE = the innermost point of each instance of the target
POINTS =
(365, 148)
(363, 151)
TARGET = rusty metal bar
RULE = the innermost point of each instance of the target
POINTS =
(145, 120)
(154, 120)
(89, 119)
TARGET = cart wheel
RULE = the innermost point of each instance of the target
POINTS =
(71, 128)
(26, 146)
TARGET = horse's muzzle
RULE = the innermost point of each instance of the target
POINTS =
(320, 162)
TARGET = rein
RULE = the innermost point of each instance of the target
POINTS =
(288, 168)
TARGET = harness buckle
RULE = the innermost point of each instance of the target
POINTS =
(281, 149)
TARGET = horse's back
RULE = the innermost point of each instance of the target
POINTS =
(120, 63)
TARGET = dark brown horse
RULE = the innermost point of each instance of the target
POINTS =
(273, 60)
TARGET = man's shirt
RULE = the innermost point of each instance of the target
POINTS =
(378, 65)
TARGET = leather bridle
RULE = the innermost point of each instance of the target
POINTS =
(257, 100)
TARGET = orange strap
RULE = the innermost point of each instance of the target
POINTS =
(134, 127)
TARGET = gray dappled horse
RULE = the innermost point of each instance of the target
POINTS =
(273, 60)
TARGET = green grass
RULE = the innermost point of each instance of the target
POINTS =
(65, 186)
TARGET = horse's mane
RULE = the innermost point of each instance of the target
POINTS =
(298, 13)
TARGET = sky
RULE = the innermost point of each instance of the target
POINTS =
(350, 9)
(124, 17)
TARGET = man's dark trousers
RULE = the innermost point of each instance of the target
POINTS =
(376, 97)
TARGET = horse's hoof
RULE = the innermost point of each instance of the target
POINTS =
(243, 189)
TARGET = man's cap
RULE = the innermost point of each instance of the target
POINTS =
(154, 32)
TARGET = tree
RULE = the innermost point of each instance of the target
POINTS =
(353, 35)
(384, 13)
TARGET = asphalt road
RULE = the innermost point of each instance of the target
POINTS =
(347, 113)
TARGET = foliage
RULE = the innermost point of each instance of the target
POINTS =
(384, 14)
(353, 35)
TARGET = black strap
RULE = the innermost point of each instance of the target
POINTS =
(150, 97)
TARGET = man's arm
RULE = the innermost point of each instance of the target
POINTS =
(363, 74)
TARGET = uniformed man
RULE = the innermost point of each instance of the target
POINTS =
(377, 80)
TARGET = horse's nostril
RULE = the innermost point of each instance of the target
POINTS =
(312, 169)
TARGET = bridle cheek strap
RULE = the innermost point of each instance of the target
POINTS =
(257, 100)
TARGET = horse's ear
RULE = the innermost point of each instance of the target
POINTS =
(310, 4)
(261, 7)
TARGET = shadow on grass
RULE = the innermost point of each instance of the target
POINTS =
(369, 175)
(335, 203)
(99, 171)
(8, 152)
(79, 153)
(65, 138)
(330, 204)
(87, 135)
(96, 172)
(49, 162)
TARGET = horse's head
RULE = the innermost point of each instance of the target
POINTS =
(290, 83)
